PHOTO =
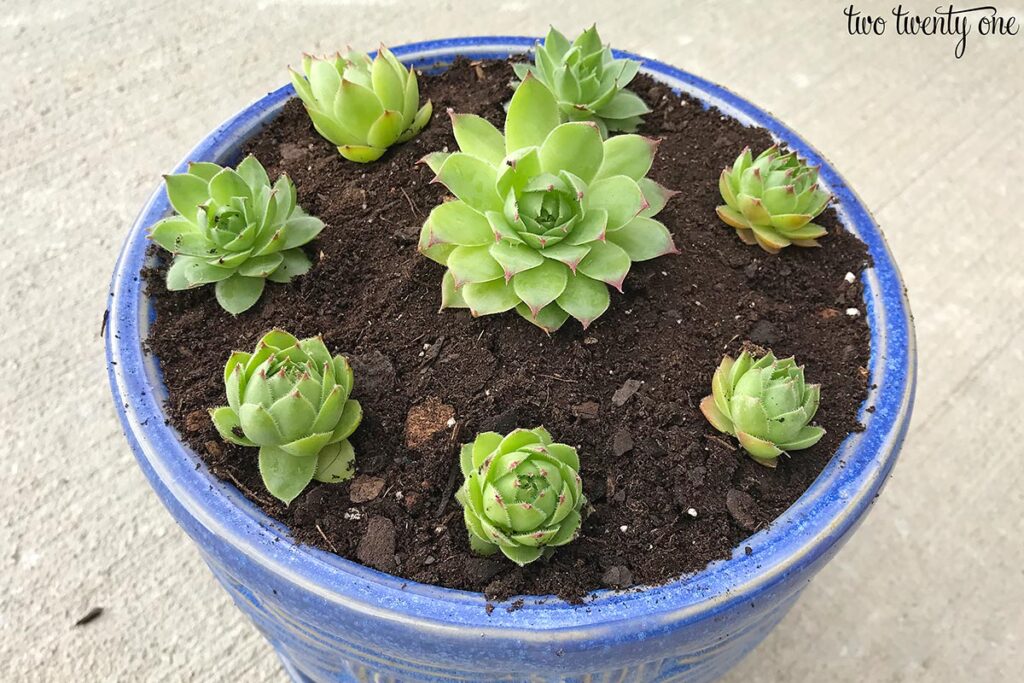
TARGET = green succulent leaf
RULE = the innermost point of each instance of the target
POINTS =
(584, 298)
(624, 105)
(549, 318)
(620, 196)
(643, 239)
(765, 403)
(472, 180)
(358, 107)
(573, 147)
(238, 293)
(292, 402)
(655, 195)
(285, 475)
(293, 263)
(606, 262)
(186, 192)
(473, 264)
(180, 236)
(532, 115)
(488, 298)
(477, 137)
(335, 463)
(521, 494)
(628, 155)
(540, 286)
(361, 154)
(385, 130)
(226, 421)
(260, 266)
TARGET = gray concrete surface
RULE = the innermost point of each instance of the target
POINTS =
(101, 97)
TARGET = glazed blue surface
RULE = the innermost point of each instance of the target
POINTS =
(334, 620)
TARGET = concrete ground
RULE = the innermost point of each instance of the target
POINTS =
(101, 97)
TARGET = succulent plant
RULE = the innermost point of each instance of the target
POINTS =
(765, 404)
(522, 494)
(588, 82)
(771, 200)
(233, 229)
(546, 215)
(290, 399)
(362, 106)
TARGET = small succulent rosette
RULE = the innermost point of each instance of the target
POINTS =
(764, 403)
(522, 494)
(547, 215)
(290, 399)
(361, 105)
(234, 229)
(587, 80)
(771, 200)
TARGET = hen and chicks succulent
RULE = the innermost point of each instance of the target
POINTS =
(235, 229)
(547, 214)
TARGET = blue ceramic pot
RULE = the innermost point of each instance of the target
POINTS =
(334, 620)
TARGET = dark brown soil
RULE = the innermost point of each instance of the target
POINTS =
(625, 391)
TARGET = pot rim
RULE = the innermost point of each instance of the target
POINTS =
(797, 539)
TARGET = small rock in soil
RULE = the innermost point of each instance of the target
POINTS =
(656, 450)
(365, 488)
(407, 235)
(622, 442)
(609, 487)
(617, 577)
(502, 423)
(196, 420)
(586, 411)
(751, 270)
(374, 372)
(850, 353)
(290, 151)
(377, 547)
(763, 332)
(482, 569)
(625, 392)
(425, 420)
(742, 508)
(413, 503)
(432, 351)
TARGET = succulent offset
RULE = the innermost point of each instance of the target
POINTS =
(764, 403)
(362, 106)
(588, 82)
(233, 229)
(522, 494)
(547, 214)
(290, 398)
(771, 200)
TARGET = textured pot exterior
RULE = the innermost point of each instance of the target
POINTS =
(333, 620)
